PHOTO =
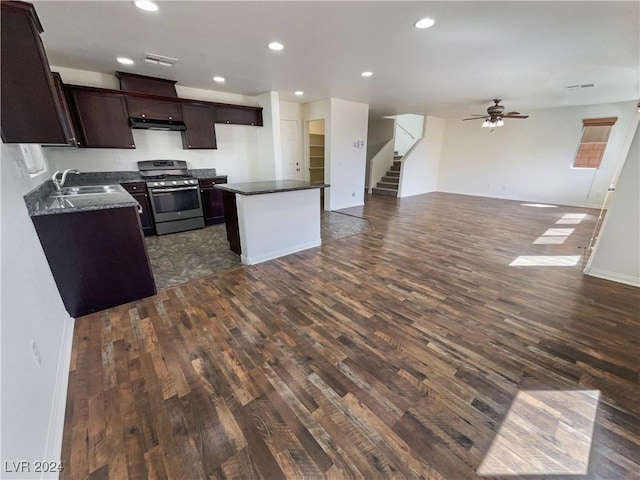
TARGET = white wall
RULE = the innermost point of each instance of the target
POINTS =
(531, 159)
(408, 130)
(269, 154)
(236, 156)
(290, 111)
(617, 253)
(239, 146)
(33, 397)
(347, 125)
(419, 173)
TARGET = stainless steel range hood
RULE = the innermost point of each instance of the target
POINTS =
(155, 124)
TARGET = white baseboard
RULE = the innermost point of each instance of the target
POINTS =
(560, 203)
(279, 253)
(53, 448)
(614, 276)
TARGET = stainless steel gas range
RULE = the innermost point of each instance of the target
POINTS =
(174, 194)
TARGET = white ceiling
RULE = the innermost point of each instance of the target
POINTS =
(525, 53)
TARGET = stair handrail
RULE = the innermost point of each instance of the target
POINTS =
(407, 131)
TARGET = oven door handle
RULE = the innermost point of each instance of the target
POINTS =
(169, 190)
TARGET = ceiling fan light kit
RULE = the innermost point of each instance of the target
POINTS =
(488, 123)
(495, 116)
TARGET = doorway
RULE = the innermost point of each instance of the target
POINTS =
(291, 161)
(317, 155)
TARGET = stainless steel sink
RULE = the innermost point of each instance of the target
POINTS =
(87, 190)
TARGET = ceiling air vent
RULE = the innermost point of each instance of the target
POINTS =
(581, 86)
(159, 59)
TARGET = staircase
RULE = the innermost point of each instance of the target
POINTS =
(388, 185)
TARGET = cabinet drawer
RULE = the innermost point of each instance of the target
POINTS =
(154, 109)
(135, 187)
(210, 182)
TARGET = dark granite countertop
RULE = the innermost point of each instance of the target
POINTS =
(272, 186)
(40, 202)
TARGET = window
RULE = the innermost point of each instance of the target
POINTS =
(595, 134)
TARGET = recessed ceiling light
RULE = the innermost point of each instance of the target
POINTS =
(146, 5)
(425, 22)
(276, 46)
(366, 74)
(299, 93)
(124, 60)
(218, 79)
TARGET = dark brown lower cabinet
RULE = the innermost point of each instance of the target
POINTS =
(212, 199)
(98, 258)
(138, 191)
(231, 221)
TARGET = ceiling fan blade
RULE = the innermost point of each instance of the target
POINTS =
(473, 118)
(515, 116)
(478, 115)
(510, 113)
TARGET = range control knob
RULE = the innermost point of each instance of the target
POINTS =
(154, 184)
(175, 183)
(161, 183)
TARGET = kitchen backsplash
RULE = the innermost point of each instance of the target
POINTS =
(237, 154)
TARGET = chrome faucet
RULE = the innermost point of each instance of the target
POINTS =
(57, 184)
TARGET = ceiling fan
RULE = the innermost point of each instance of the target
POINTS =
(495, 116)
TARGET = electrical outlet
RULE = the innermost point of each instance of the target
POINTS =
(118, 160)
(36, 352)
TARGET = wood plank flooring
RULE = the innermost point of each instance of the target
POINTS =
(395, 353)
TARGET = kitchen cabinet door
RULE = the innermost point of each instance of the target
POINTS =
(67, 123)
(102, 117)
(212, 199)
(31, 110)
(238, 115)
(98, 258)
(153, 109)
(138, 191)
(200, 132)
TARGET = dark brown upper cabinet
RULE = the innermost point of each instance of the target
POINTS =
(31, 109)
(238, 115)
(153, 108)
(67, 123)
(200, 132)
(102, 118)
(131, 82)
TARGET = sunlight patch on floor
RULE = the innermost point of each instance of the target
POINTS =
(564, 232)
(546, 261)
(549, 240)
(544, 433)
(571, 218)
(538, 205)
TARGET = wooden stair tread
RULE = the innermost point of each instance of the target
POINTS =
(384, 191)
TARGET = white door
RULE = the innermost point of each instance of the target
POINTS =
(291, 161)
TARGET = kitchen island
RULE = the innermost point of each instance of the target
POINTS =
(267, 220)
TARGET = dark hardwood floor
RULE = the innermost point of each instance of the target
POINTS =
(394, 353)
